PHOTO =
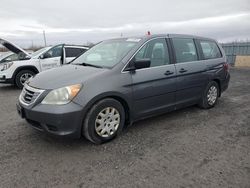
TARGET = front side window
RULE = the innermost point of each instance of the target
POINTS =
(107, 53)
(40, 51)
(54, 52)
(156, 50)
(185, 50)
(210, 49)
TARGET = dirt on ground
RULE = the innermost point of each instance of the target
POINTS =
(186, 148)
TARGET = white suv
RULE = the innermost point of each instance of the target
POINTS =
(19, 71)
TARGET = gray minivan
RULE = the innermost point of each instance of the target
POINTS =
(123, 80)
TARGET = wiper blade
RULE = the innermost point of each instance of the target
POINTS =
(68, 62)
(90, 65)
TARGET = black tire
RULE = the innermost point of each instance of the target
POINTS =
(205, 104)
(89, 130)
(19, 75)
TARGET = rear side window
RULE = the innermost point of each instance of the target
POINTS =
(210, 49)
(185, 50)
(74, 52)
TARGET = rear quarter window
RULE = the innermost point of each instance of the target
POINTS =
(210, 49)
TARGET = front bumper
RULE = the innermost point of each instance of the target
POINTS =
(63, 120)
(4, 80)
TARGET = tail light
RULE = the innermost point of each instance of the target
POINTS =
(226, 67)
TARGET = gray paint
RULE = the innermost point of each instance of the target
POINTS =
(63, 76)
(146, 91)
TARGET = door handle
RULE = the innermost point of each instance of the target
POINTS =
(182, 70)
(168, 72)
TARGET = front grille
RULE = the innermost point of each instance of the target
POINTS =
(29, 95)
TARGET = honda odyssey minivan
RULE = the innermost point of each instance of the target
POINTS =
(120, 81)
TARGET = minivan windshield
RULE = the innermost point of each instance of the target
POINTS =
(107, 53)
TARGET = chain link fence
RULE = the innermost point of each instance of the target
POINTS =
(236, 49)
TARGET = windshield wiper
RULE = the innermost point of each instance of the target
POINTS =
(90, 65)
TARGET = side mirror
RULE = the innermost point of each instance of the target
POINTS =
(138, 64)
(44, 56)
(142, 63)
(41, 56)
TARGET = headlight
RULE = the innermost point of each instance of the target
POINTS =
(62, 95)
(7, 65)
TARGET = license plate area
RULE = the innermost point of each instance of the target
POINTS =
(20, 111)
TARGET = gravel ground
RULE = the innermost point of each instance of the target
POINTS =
(185, 148)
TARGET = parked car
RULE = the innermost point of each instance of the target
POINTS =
(26, 65)
(120, 81)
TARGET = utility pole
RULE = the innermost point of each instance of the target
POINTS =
(44, 38)
(32, 45)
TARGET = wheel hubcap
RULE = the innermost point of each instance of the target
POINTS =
(212, 95)
(107, 122)
(25, 77)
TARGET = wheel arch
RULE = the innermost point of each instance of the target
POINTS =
(30, 67)
(219, 84)
(114, 95)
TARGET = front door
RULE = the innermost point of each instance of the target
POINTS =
(154, 87)
(52, 58)
(70, 53)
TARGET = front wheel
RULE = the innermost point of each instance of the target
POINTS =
(104, 121)
(22, 77)
(210, 95)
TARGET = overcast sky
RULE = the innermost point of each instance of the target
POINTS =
(80, 21)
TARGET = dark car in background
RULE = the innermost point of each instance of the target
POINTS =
(120, 81)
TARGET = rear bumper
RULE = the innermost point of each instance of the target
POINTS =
(225, 83)
(64, 120)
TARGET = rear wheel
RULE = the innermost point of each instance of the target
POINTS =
(210, 95)
(104, 121)
(22, 77)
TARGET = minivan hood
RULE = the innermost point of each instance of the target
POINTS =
(13, 48)
(63, 76)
